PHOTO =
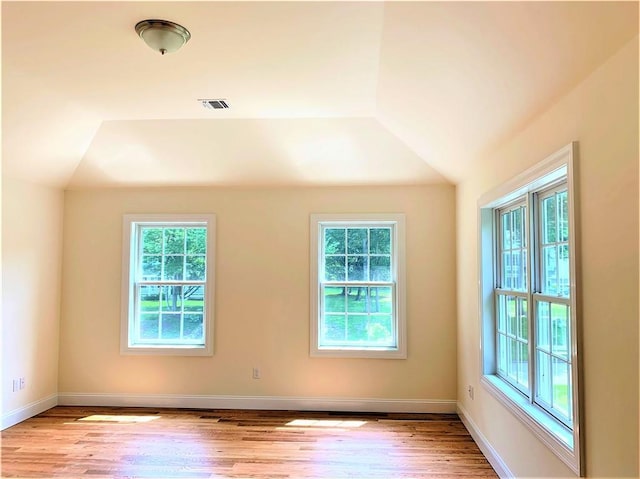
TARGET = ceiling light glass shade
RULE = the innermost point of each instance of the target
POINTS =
(163, 36)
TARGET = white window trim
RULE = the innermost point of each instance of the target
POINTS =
(127, 307)
(316, 222)
(566, 444)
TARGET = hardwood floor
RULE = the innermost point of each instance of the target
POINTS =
(103, 442)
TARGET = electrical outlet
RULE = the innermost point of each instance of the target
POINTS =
(470, 391)
(21, 383)
(255, 374)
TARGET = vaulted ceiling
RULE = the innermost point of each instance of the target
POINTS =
(319, 92)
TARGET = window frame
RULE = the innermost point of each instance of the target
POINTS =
(566, 441)
(317, 223)
(130, 254)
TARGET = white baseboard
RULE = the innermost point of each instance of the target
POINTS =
(18, 415)
(258, 402)
(487, 449)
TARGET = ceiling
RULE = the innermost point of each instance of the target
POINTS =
(320, 93)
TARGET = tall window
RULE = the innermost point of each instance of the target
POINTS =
(528, 302)
(167, 284)
(357, 288)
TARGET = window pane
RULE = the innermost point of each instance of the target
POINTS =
(543, 377)
(170, 326)
(334, 300)
(151, 240)
(560, 330)
(357, 299)
(380, 299)
(334, 268)
(149, 328)
(357, 268)
(525, 270)
(151, 266)
(334, 327)
(549, 270)
(563, 216)
(512, 359)
(171, 298)
(502, 313)
(173, 268)
(512, 318)
(549, 220)
(196, 240)
(502, 354)
(523, 330)
(563, 270)
(380, 268)
(196, 268)
(357, 241)
(193, 327)
(543, 336)
(561, 387)
(516, 229)
(381, 329)
(517, 271)
(356, 328)
(174, 241)
(506, 230)
(507, 275)
(334, 241)
(523, 364)
(149, 298)
(193, 298)
(380, 241)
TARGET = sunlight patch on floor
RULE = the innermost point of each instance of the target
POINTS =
(117, 418)
(325, 423)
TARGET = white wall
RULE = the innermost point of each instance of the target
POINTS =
(262, 296)
(31, 273)
(601, 113)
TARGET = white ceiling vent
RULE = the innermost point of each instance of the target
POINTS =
(219, 104)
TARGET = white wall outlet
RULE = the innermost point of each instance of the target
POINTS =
(470, 391)
(255, 374)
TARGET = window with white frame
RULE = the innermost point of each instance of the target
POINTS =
(357, 286)
(167, 290)
(528, 302)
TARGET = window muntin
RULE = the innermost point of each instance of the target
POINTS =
(167, 290)
(357, 299)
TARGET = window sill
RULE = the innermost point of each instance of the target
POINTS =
(358, 353)
(554, 435)
(180, 350)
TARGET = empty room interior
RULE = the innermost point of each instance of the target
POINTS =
(365, 207)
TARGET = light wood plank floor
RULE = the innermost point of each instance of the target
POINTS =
(177, 443)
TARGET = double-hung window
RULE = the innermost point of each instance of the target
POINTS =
(168, 270)
(357, 286)
(528, 302)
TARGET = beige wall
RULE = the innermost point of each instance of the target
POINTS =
(602, 115)
(262, 295)
(31, 261)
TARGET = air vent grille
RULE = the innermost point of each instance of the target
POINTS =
(217, 104)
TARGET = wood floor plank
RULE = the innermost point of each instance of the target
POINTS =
(87, 442)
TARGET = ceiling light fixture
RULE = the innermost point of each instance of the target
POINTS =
(162, 35)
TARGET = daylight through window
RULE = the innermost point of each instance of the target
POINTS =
(356, 306)
(167, 289)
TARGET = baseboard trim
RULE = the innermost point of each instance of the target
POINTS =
(487, 449)
(18, 415)
(258, 402)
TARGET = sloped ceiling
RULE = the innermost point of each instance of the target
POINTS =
(320, 92)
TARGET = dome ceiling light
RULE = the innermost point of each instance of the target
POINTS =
(162, 35)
